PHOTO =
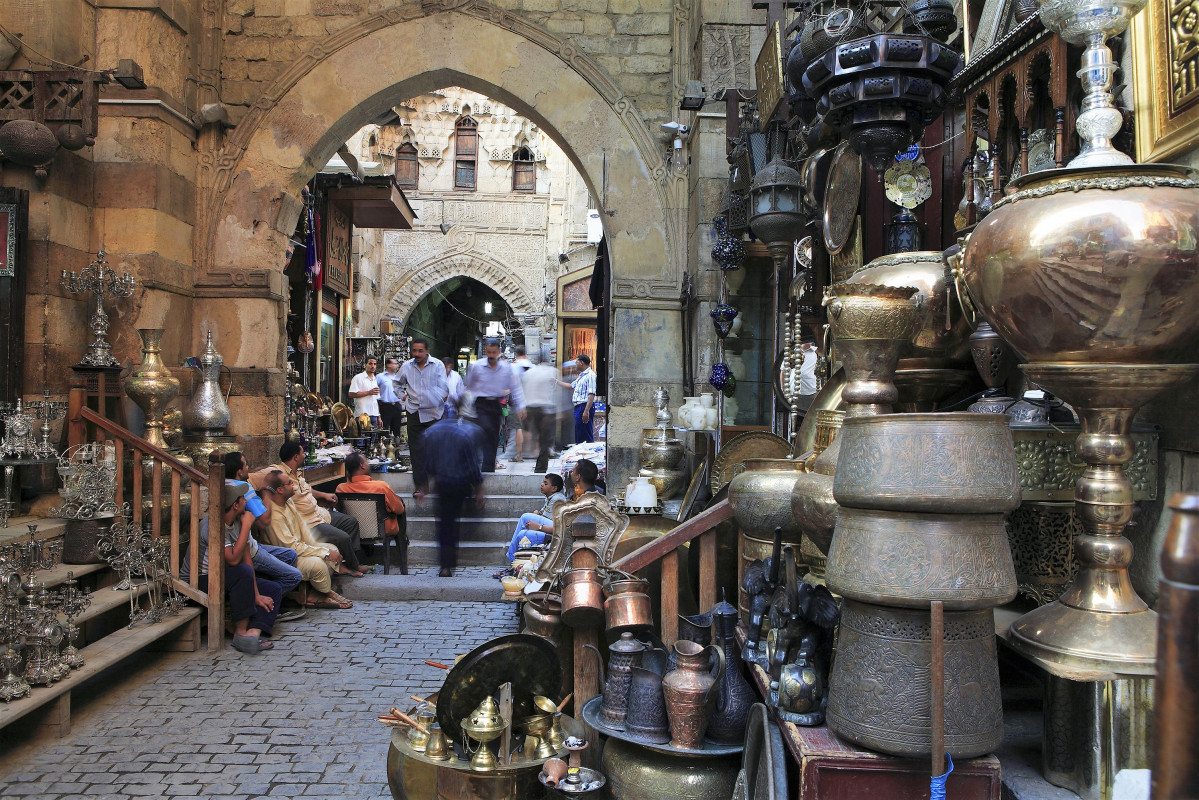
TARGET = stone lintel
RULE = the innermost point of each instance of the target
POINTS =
(174, 11)
(151, 103)
(266, 284)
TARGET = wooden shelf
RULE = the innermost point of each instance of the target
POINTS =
(106, 599)
(99, 656)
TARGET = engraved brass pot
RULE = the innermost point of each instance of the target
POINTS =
(151, 385)
(761, 497)
(1093, 265)
(949, 463)
(901, 559)
(543, 615)
(883, 702)
(925, 270)
(623, 654)
(668, 482)
(870, 326)
(636, 773)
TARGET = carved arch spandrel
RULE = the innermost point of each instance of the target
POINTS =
(423, 278)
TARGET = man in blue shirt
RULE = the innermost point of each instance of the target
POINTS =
(583, 397)
(453, 462)
(390, 411)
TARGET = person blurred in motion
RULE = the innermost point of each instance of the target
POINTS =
(454, 466)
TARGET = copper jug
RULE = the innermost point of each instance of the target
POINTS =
(543, 614)
(582, 598)
(628, 607)
(623, 654)
(686, 691)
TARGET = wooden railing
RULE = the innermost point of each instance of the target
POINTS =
(145, 455)
(665, 550)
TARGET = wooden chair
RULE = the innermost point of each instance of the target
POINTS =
(371, 512)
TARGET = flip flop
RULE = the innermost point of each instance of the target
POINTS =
(246, 644)
(265, 644)
(343, 602)
(327, 602)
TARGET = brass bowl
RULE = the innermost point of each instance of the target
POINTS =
(668, 482)
(761, 497)
(947, 463)
(1091, 264)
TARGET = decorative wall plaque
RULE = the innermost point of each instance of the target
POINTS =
(8, 240)
(1165, 70)
(337, 251)
(768, 70)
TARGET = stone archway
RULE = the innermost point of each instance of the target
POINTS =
(415, 284)
(253, 184)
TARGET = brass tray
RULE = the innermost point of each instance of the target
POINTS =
(591, 716)
(841, 195)
(754, 444)
(530, 663)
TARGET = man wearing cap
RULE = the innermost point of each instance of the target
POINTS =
(253, 601)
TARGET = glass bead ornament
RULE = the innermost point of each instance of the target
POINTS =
(722, 318)
(728, 251)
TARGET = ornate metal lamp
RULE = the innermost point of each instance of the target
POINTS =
(776, 216)
(98, 278)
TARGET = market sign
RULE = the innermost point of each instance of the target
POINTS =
(8, 240)
(768, 70)
(337, 251)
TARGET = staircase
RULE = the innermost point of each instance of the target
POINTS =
(485, 535)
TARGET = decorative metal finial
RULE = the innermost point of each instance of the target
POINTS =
(98, 278)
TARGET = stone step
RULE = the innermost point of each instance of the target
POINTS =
(492, 530)
(498, 483)
(424, 586)
(504, 506)
(487, 554)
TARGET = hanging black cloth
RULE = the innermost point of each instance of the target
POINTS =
(598, 293)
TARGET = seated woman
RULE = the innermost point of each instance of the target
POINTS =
(529, 530)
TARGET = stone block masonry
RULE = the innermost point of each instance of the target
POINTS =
(296, 721)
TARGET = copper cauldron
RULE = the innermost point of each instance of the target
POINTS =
(543, 614)
(628, 606)
(582, 598)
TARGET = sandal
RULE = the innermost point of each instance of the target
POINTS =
(250, 645)
(332, 600)
(353, 573)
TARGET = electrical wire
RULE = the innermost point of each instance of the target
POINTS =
(21, 44)
(938, 144)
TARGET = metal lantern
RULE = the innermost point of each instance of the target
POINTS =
(775, 213)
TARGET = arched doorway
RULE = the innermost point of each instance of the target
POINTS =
(251, 186)
(453, 315)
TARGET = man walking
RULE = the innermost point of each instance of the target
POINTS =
(423, 391)
(453, 385)
(390, 410)
(488, 380)
(364, 388)
(540, 384)
(453, 464)
(582, 398)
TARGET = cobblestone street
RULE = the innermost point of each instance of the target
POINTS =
(296, 721)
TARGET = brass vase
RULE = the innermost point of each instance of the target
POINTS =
(761, 497)
(152, 386)
(638, 773)
(1090, 274)
(686, 690)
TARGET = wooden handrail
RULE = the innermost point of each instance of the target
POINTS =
(138, 443)
(668, 542)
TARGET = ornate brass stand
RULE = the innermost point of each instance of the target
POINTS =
(1099, 622)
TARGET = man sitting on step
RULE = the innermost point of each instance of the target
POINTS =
(531, 529)
(358, 479)
(329, 526)
(288, 529)
(253, 600)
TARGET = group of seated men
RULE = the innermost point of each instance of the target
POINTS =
(535, 529)
(301, 541)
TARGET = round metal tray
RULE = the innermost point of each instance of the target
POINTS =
(591, 716)
(530, 663)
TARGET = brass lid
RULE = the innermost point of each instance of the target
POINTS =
(627, 644)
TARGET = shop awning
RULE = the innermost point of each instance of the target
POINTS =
(375, 205)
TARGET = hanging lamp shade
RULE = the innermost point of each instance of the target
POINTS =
(775, 215)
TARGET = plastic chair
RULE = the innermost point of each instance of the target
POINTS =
(371, 512)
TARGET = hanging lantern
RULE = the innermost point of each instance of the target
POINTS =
(775, 214)
(729, 250)
(722, 379)
(722, 318)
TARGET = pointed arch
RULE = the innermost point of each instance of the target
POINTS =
(418, 281)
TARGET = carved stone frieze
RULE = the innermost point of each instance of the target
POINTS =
(725, 56)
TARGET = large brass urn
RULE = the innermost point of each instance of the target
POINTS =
(152, 386)
(1091, 274)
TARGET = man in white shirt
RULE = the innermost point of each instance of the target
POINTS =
(365, 391)
(807, 376)
(423, 392)
(490, 379)
(453, 385)
(516, 443)
(582, 398)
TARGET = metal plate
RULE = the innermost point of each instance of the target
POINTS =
(591, 717)
(841, 195)
(908, 184)
(764, 763)
(530, 663)
(813, 177)
(754, 444)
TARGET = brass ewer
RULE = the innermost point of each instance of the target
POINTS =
(152, 386)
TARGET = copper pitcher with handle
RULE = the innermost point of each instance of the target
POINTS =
(582, 596)
(628, 607)
(687, 690)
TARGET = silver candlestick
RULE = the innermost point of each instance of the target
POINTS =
(72, 603)
(47, 411)
(98, 278)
